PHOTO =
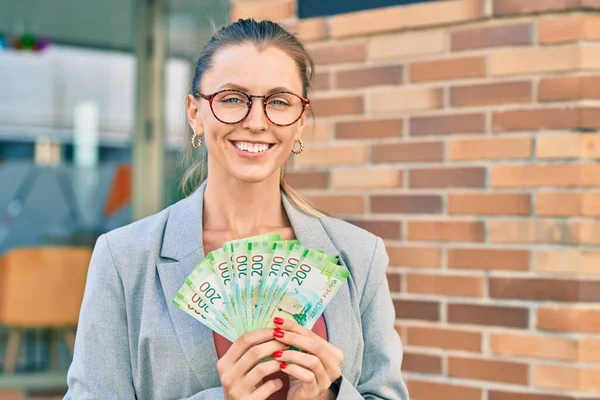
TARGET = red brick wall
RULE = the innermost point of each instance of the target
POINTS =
(465, 133)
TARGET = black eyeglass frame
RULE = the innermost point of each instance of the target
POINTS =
(211, 97)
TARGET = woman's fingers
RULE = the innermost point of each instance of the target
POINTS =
(306, 361)
(307, 377)
(255, 354)
(266, 389)
(242, 345)
(315, 346)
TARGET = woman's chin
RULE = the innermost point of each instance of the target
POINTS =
(253, 175)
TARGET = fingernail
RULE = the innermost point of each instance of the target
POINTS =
(278, 321)
(282, 365)
(278, 333)
(278, 354)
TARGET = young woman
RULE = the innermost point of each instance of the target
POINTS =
(248, 106)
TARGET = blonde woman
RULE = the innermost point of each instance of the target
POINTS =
(248, 106)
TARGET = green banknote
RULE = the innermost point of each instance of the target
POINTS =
(246, 283)
(190, 302)
(309, 290)
(205, 284)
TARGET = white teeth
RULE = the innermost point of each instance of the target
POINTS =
(251, 148)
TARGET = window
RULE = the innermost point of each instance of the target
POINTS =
(320, 8)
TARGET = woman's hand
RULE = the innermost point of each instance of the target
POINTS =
(240, 371)
(315, 367)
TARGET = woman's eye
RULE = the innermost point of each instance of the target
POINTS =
(232, 100)
(278, 103)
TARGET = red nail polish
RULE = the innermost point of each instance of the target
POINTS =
(278, 333)
(278, 321)
(278, 354)
(282, 365)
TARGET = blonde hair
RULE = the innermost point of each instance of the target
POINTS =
(262, 34)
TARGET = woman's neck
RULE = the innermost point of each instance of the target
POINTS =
(240, 209)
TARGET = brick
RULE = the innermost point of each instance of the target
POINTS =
(589, 57)
(514, 7)
(406, 204)
(489, 259)
(510, 317)
(533, 346)
(541, 119)
(428, 390)
(588, 350)
(533, 60)
(321, 81)
(491, 94)
(544, 289)
(429, 14)
(446, 231)
(394, 282)
(382, 228)
(423, 363)
(568, 262)
(585, 232)
(444, 285)
(310, 29)
(316, 133)
(447, 177)
(500, 395)
(405, 256)
(570, 145)
(402, 99)
(563, 88)
(447, 124)
(560, 377)
(336, 204)
(444, 338)
(488, 370)
(569, 28)
(369, 129)
(264, 10)
(308, 180)
(456, 68)
(488, 204)
(369, 76)
(568, 319)
(338, 53)
(367, 22)
(491, 37)
(406, 44)
(332, 155)
(407, 152)
(531, 231)
(419, 310)
(552, 175)
(326, 107)
(495, 148)
(568, 204)
(371, 178)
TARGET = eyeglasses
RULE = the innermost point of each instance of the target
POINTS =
(232, 106)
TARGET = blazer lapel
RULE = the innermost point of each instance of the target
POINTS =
(181, 251)
(342, 331)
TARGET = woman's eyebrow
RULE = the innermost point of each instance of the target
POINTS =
(235, 86)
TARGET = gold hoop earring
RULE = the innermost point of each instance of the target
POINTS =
(298, 151)
(196, 140)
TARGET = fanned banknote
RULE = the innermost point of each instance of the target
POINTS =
(246, 283)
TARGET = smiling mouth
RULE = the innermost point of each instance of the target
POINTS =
(253, 147)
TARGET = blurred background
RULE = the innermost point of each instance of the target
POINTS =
(463, 132)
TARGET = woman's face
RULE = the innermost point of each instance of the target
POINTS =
(255, 148)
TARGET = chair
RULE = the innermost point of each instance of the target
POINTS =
(42, 288)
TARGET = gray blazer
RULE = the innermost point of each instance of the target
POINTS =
(133, 343)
